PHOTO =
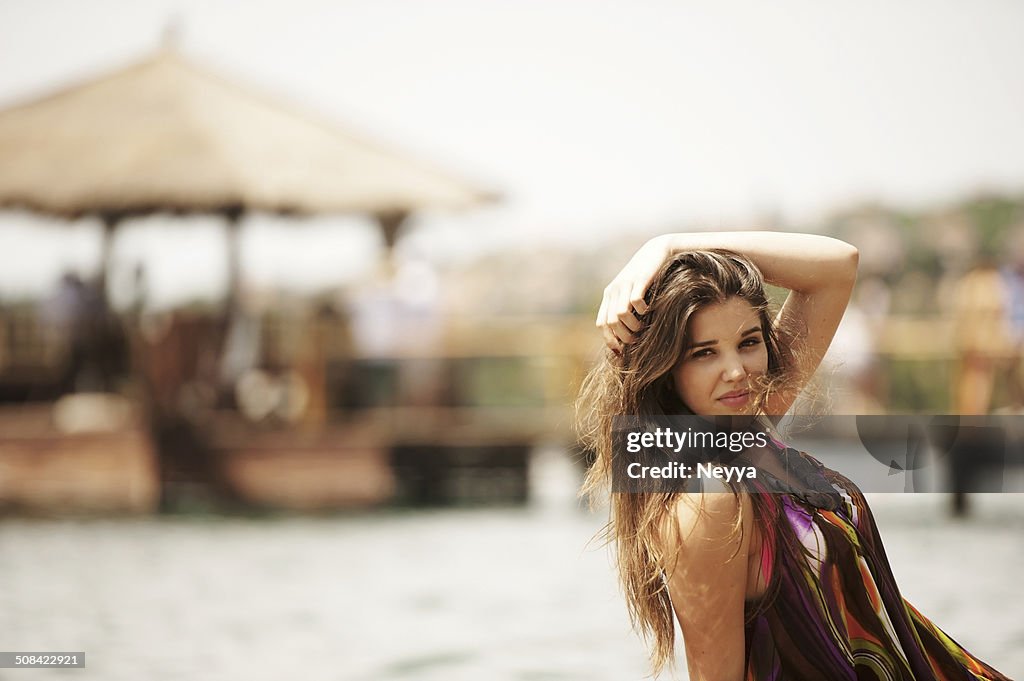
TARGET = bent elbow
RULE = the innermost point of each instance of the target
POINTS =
(851, 260)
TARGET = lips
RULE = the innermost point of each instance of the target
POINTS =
(734, 394)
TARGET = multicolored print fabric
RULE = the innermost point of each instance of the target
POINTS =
(832, 609)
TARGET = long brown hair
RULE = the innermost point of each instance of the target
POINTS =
(638, 383)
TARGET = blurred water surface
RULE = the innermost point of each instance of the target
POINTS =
(455, 594)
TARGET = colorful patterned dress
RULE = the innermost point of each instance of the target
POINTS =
(832, 610)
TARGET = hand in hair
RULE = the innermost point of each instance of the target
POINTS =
(624, 296)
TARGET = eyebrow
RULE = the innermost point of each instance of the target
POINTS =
(753, 329)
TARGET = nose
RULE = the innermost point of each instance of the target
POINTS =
(733, 371)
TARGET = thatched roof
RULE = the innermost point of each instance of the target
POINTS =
(165, 135)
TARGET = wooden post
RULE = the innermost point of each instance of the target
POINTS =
(232, 215)
(390, 223)
(110, 222)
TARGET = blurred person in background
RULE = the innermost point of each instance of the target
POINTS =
(1012, 273)
(982, 335)
(785, 577)
(72, 312)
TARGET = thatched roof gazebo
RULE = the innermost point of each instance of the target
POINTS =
(164, 135)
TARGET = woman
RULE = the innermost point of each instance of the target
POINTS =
(785, 577)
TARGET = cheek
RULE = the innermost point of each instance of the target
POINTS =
(756, 362)
(692, 378)
(679, 379)
(761, 361)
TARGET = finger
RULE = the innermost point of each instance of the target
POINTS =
(613, 343)
(602, 313)
(607, 313)
(621, 332)
(630, 321)
(604, 324)
(636, 298)
(621, 305)
(624, 317)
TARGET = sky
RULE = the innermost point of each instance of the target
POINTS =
(592, 119)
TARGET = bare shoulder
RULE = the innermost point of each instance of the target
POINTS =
(705, 526)
(711, 509)
(706, 573)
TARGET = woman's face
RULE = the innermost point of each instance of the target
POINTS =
(717, 372)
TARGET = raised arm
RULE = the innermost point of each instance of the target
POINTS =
(819, 271)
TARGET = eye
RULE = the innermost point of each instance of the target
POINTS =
(751, 342)
(706, 352)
